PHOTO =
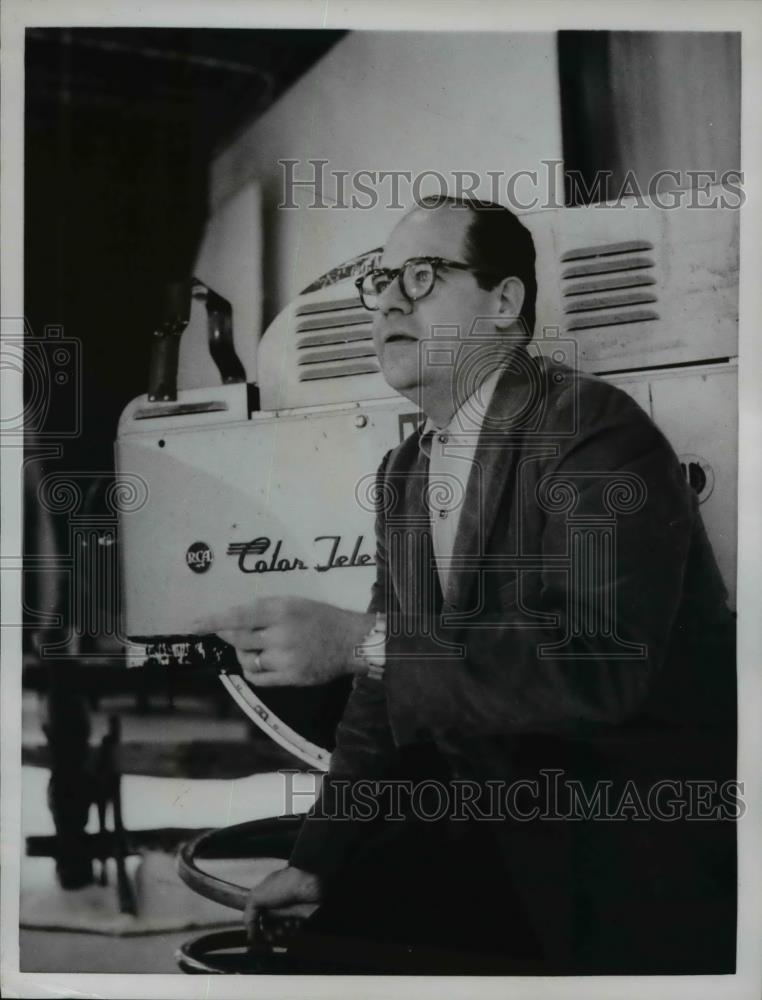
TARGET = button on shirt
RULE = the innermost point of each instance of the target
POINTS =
(451, 456)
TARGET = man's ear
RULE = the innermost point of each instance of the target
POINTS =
(510, 294)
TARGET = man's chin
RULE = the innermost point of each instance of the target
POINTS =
(405, 382)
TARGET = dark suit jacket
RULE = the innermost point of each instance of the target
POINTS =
(585, 631)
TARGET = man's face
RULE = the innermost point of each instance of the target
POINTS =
(402, 328)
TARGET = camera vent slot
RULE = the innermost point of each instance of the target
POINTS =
(336, 305)
(366, 367)
(334, 340)
(609, 285)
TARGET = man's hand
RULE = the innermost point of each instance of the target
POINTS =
(290, 892)
(291, 640)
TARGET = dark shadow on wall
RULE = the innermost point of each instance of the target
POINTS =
(121, 127)
(635, 104)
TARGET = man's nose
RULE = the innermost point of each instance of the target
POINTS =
(392, 300)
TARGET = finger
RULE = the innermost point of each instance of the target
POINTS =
(301, 910)
(251, 662)
(275, 678)
(250, 922)
(229, 636)
(269, 661)
(248, 640)
(275, 637)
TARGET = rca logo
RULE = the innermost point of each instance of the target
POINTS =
(199, 557)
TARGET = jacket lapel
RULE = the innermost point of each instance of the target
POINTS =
(512, 409)
(408, 531)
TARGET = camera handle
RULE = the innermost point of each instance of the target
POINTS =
(165, 350)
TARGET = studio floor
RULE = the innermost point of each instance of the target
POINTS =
(60, 951)
(83, 930)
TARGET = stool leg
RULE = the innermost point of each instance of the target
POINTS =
(111, 785)
(101, 804)
(127, 901)
(67, 729)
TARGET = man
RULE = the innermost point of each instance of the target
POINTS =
(546, 604)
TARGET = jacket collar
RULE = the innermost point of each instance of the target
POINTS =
(515, 407)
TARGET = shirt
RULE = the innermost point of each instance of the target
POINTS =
(451, 455)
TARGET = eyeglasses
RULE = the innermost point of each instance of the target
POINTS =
(416, 278)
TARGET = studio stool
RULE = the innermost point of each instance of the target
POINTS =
(227, 952)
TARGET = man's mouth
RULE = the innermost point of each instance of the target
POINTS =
(399, 338)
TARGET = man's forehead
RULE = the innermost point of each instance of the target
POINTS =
(428, 232)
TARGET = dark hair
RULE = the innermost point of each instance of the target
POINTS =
(497, 243)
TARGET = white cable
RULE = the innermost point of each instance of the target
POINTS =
(275, 728)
